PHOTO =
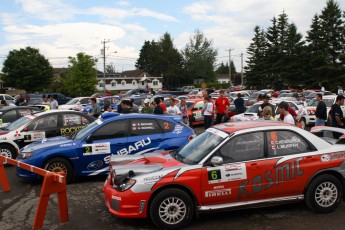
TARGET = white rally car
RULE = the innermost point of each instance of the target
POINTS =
(38, 126)
(308, 117)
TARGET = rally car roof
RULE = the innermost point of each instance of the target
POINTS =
(231, 127)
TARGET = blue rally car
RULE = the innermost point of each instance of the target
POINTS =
(87, 152)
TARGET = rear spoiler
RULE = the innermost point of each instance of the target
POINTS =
(326, 133)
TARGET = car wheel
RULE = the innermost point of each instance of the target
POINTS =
(324, 194)
(172, 209)
(8, 151)
(303, 123)
(60, 165)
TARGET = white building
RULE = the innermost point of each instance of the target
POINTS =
(132, 79)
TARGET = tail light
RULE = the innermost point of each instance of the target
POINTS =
(191, 137)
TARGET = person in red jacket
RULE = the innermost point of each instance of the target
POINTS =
(222, 104)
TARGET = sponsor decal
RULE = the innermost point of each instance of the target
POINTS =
(135, 147)
(178, 129)
(17, 135)
(217, 132)
(95, 149)
(281, 173)
(153, 178)
(69, 130)
(143, 126)
(115, 198)
(325, 158)
(333, 156)
(216, 193)
(95, 165)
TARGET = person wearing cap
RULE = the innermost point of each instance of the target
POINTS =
(147, 108)
(264, 104)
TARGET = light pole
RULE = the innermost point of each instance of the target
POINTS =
(103, 52)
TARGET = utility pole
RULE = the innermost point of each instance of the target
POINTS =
(241, 71)
(230, 66)
(103, 52)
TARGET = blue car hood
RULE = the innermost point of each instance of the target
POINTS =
(55, 141)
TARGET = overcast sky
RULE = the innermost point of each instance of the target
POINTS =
(61, 28)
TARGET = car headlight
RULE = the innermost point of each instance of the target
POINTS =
(25, 155)
(125, 184)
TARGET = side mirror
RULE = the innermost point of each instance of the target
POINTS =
(78, 103)
(89, 138)
(194, 109)
(216, 160)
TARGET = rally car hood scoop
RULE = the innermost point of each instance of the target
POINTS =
(146, 163)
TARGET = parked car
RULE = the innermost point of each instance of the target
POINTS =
(61, 99)
(80, 101)
(230, 166)
(114, 101)
(9, 114)
(308, 117)
(88, 151)
(39, 126)
(7, 98)
(34, 99)
(188, 88)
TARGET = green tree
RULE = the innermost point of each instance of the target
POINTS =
(149, 58)
(110, 68)
(256, 69)
(27, 69)
(199, 58)
(170, 62)
(327, 41)
(80, 78)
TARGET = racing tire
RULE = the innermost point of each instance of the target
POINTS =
(303, 123)
(172, 209)
(324, 194)
(59, 164)
(8, 151)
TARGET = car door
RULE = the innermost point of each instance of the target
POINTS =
(288, 170)
(146, 135)
(94, 151)
(240, 177)
(41, 127)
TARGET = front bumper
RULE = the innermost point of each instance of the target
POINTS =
(126, 204)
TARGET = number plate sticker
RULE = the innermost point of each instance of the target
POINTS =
(94, 149)
(230, 172)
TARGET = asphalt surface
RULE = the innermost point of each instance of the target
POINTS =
(87, 211)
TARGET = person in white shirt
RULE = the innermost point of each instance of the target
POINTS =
(340, 90)
(53, 103)
(200, 94)
(208, 112)
(173, 109)
(284, 108)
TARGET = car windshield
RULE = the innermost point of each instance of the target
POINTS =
(18, 123)
(286, 95)
(201, 146)
(83, 132)
(253, 109)
(72, 101)
(255, 95)
(328, 101)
